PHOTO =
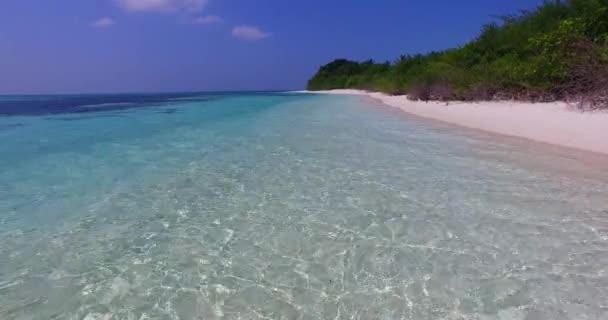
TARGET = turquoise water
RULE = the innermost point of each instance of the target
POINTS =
(278, 206)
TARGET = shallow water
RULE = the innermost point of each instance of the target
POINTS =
(274, 206)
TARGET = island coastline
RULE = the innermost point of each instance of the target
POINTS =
(556, 123)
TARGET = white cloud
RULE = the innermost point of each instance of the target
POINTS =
(102, 23)
(208, 20)
(162, 5)
(249, 33)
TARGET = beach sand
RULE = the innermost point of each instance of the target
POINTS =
(555, 123)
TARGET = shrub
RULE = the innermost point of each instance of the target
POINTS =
(557, 51)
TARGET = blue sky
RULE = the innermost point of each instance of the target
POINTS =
(71, 46)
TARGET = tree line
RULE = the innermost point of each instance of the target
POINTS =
(558, 51)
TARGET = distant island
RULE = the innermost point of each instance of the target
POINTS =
(557, 52)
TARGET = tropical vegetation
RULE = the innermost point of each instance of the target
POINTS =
(558, 51)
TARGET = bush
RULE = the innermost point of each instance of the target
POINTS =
(558, 51)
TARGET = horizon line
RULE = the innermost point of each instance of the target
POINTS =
(146, 92)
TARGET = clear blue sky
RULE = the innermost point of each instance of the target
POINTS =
(70, 46)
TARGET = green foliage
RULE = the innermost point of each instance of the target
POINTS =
(533, 53)
(334, 75)
(342, 73)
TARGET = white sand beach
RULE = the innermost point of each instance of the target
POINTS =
(555, 123)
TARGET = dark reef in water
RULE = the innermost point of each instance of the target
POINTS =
(6, 127)
(168, 111)
(65, 104)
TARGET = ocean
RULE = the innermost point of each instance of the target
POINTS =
(288, 206)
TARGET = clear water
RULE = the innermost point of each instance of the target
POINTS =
(273, 206)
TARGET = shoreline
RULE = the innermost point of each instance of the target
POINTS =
(554, 123)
